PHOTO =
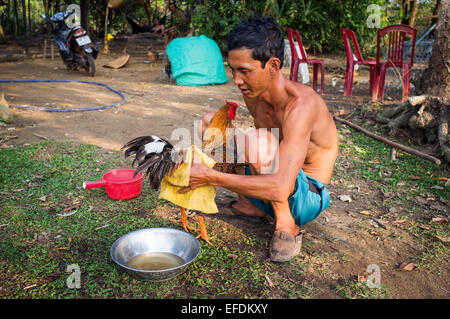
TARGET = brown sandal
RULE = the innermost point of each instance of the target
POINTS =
(284, 246)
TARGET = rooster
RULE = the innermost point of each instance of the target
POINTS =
(150, 54)
(168, 69)
(157, 158)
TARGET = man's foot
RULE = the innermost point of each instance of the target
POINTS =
(284, 246)
(244, 210)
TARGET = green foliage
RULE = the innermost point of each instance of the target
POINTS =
(215, 19)
(319, 22)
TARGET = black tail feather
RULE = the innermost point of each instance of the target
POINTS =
(155, 160)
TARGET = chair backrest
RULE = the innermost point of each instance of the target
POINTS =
(348, 48)
(291, 33)
(396, 43)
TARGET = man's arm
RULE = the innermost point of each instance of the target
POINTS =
(278, 186)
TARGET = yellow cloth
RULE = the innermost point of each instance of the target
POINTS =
(201, 198)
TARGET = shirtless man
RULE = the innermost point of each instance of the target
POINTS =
(295, 193)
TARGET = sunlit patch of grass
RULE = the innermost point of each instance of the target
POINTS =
(355, 289)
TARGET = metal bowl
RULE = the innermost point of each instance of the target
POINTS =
(155, 240)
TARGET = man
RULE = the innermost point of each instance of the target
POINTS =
(294, 193)
(180, 24)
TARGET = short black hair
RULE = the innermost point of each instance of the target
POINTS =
(261, 34)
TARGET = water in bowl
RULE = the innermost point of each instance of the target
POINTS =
(154, 261)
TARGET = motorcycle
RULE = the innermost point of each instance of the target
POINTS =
(75, 45)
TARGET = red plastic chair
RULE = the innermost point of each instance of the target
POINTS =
(396, 45)
(348, 85)
(296, 61)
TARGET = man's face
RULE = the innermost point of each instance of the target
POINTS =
(172, 8)
(248, 74)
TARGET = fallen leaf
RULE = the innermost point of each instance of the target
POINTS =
(29, 287)
(421, 200)
(269, 282)
(345, 198)
(442, 179)
(439, 220)
(359, 150)
(444, 239)
(407, 266)
(388, 195)
(45, 204)
(43, 198)
(233, 256)
(365, 212)
(415, 177)
(373, 223)
(67, 214)
(426, 227)
(393, 210)
(399, 221)
(71, 208)
(362, 278)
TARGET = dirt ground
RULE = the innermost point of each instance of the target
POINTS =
(155, 106)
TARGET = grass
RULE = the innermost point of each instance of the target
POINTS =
(408, 177)
(39, 181)
(356, 289)
(37, 246)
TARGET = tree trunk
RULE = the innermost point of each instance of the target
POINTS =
(29, 16)
(435, 79)
(56, 6)
(412, 13)
(16, 18)
(8, 5)
(404, 11)
(148, 10)
(25, 28)
(84, 6)
(434, 18)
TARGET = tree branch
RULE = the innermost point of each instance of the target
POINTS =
(393, 144)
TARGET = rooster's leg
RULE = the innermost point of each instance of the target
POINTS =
(203, 234)
(184, 220)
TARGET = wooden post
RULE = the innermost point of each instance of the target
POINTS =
(105, 41)
(45, 49)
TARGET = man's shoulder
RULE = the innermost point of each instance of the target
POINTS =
(303, 97)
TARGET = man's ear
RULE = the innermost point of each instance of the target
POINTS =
(274, 64)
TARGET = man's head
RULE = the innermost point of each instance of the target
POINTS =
(255, 55)
(262, 35)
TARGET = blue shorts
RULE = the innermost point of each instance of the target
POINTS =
(309, 199)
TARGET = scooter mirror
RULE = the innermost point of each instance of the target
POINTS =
(43, 16)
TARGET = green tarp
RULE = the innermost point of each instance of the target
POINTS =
(196, 61)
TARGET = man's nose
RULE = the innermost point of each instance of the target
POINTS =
(237, 79)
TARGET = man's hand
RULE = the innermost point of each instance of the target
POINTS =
(199, 176)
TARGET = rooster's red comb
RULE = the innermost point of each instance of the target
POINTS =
(232, 103)
(232, 110)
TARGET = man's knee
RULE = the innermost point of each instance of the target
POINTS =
(261, 150)
(205, 120)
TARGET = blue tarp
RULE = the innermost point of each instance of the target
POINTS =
(196, 61)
